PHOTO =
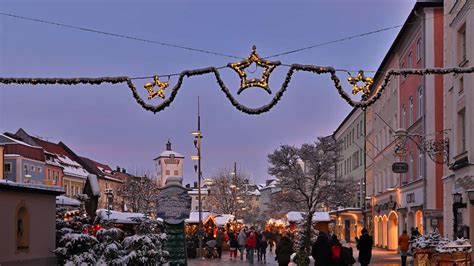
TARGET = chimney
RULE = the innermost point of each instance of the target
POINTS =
(188, 186)
(195, 184)
(168, 146)
(118, 168)
(123, 170)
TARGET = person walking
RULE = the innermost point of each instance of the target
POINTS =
(320, 250)
(364, 245)
(258, 236)
(263, 249)
(242, 240)
(404, 242)
(347, 255)
(233, 245)
(336, 251)
(251, 245)
(284, 250)
(220, 237)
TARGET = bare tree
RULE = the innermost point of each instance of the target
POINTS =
(139, 194)
(306, 178)
(227, 194)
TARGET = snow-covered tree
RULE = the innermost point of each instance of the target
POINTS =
(307, 180)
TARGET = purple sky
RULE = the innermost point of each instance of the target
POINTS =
(105, 123)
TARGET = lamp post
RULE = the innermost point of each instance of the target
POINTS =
(110, 194)
(457, 204)
(197, 143)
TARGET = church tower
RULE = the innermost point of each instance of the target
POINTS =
(169, 163)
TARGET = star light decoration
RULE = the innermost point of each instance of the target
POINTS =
(365, 89)
(160, 92)
(240, 67)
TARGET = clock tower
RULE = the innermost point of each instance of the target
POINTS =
(168, 164)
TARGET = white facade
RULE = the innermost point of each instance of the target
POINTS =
(169, 163)
(459, 114)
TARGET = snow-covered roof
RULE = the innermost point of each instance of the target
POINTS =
(63, 200)
(317, 217)
(9, 140)
(194, 217)
(119, 217)
(6, 184)
(169, 153)
(253, 193)
(223, 219)
(71, 167)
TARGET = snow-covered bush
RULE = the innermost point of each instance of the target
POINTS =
(77, 249)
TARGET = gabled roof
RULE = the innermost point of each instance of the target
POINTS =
(17, 147)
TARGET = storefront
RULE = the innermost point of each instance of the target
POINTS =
(411, 207)
(386, 221)
(348, 223)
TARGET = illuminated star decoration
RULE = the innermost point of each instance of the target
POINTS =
(160, 92)
(365, 89)
(240, 67)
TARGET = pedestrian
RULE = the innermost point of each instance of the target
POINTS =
(220, 238)
(263, 249)
(320, 250)
(258, 235)
(336, 251)
(347, 253)
(364, 245)
(242, 239)
(251, 245)
(233, 245)
(404, 242)
(284, 250)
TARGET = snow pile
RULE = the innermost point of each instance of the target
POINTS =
(431, 240)
(94, 183)
(458, 245)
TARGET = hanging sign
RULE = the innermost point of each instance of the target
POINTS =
(400, 167)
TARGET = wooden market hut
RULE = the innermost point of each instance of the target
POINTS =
(192, 223)
(321, 220)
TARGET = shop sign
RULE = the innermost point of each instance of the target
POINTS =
(433, 213)
(174, 204)
(400, 167)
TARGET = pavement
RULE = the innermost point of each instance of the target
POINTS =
(379, 257)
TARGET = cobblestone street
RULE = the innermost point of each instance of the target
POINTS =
(379, 257)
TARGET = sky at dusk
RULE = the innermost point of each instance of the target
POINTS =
(105, 123)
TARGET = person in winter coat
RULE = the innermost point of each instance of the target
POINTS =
(263, 249)
(320, 250)
(364, 245)
(404, 242)
(220, 238)
(242, 239)
(233, 245)
(336, 251)
(258, 235)
(284, 250)
(347, 253)
(251, 245)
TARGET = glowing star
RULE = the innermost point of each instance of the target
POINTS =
(160, 92)
(365, 89)
(240, 67)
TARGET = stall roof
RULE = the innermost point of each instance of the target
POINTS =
(222, 219)
(63, 200)
(119, 217)
(317, 217)
(194, 217)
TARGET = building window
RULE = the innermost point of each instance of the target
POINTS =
(404, 116)
(420, 102)
(462, 45)
(462, 130)
(410, 111)
(411, 168)
(167, 172)
(66, 190)
(25, 168)
(39, 170)
(49, 174)
(410, 60)
(461, 85)
(176, 172)
(353, 135)
(8, 167)
(32, 168)
(418, 50)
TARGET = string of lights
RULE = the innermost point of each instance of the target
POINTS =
(367, 99)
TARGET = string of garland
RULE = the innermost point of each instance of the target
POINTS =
(366, 101)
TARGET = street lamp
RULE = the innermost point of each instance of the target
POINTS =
(110, 195)
(457, 204)
(197, 143)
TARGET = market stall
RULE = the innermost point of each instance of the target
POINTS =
(122, 220)
(321, 220)
(192, 223)
(432, 249)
